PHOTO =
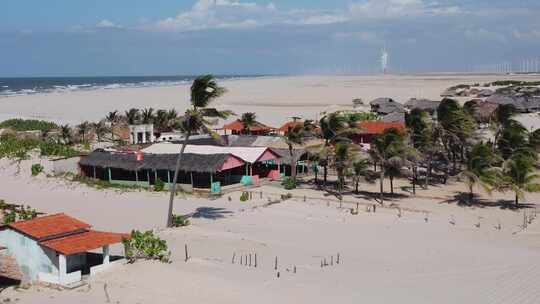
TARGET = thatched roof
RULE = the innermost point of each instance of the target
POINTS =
(394, 117)
(422, 104)
(190, 162)
(386, 105)
(240, 141)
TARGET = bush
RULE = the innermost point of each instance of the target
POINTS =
(10, 217)
(159, 185)
(36, 169)
(289, 183)
(180, 220)
(244, 197)
(28, 125)
(18, 148)
(147, 246)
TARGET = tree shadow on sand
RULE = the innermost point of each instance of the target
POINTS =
(462, 199)
(210, 213)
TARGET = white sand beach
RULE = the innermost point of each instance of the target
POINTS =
(383, 258)
(273, 99)
(436, 252)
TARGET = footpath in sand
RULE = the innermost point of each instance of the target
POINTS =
(383, 258)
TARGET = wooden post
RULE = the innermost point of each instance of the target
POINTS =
(250, 260)
(169, 177)
(137, 176)
(191, 176)
(155, 176)
(110, 174)
(233, 257)
(332, 261)
(275, 264)
(337, 261)
(241, 259)
(255, 260)
(187, 256)
(94, 171)
(211, 180)
(294, 269)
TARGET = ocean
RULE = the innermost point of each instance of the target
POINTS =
(39, 85)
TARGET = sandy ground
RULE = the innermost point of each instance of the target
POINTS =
(274, 99)
(383, 258)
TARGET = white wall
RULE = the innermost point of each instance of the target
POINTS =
(31, 257)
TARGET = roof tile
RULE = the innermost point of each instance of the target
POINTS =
(48, 226)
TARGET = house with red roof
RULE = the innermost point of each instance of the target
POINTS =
(237, 127)
(370, 128)
(55, 248)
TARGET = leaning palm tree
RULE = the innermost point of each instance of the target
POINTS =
(100, 129)
(65, 133)
(360, 168)
(519, 176)
(390, 144)
(333, 126)
(83, 129)
(112, 118)
(195, 120)
(480, 171)
(248, 121)
(296, 136)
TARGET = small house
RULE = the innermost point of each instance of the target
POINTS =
(55, 248)
(370, 128)
(141, 134)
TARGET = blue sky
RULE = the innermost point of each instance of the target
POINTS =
(167, 37)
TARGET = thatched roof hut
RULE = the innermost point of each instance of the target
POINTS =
(128, 161)
(385, 105)
(398, 117)
(422, 104)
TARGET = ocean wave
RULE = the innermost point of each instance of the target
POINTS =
(32, 86)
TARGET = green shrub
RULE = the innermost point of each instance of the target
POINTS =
(147, 246)
(19, 148)
(36, 169)
(28, 125)
(244, 197)
(159, 185)
(10, 217)
(26, 213)
(180, 220)
(289, 183)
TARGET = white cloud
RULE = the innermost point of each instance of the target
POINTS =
(104, 24)
(362, 36)
(391, 9)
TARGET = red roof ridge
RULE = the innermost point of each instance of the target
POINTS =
(49, 226)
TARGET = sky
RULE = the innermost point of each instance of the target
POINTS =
(188, 37)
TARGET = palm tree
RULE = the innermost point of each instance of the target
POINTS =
(65, 133)
(479, 169)
(342, 158)
(519, 176)
(360, 168)
(161, 120)
(100, 129)
(147, 116)
(390, 144)
(83, 129)
(333, 126)
(132, 116)
(296, 136)
(112, 118)
(248, 120)
(203, 91)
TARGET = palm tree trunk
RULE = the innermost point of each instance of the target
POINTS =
(428, 172)
(175, 180)
(325, 172)
(471, 196)
(356, 185)
(381, 181)
(293, 163)
(517, 200)
(414, 181)
(391, 184)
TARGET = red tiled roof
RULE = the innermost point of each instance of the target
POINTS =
(48, 226)
(83, 242)
(289, 125)
(377, 127)
(238, 126)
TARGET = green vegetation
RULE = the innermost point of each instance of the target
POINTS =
(180, 220)
(244, 197)
(146, 246)
(36, 169)
(361, 116)
(12, 213)
(514, 83)
(289, 183)
(104, 184)
(19, 148)
(28, 125)
(159, 185)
